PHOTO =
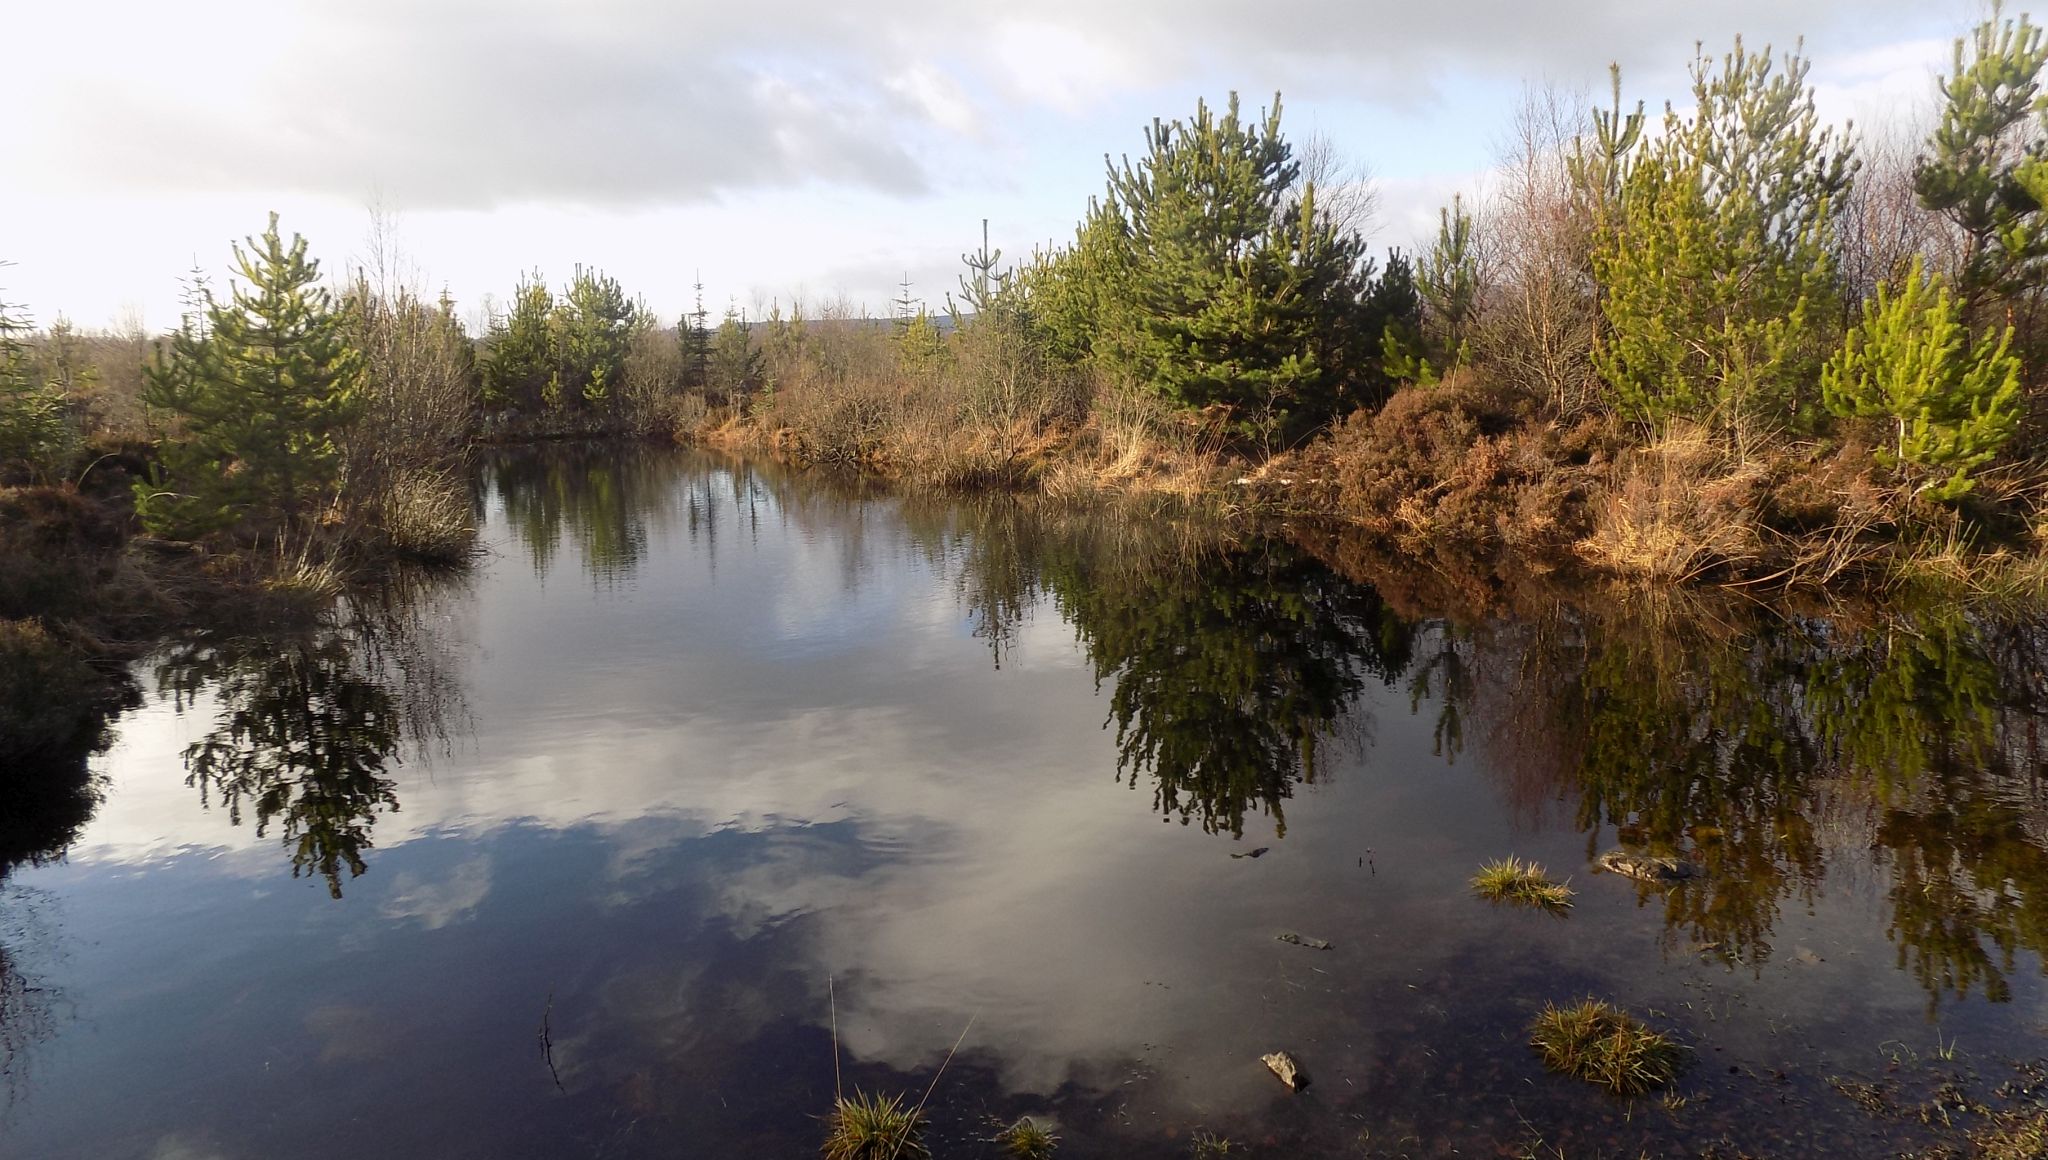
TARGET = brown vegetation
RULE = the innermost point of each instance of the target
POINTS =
(984, 411)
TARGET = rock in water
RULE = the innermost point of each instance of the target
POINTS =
(1314, 944)
(1290, 1073)
(1647, 867)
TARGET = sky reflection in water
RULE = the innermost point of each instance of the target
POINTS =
(699, 737)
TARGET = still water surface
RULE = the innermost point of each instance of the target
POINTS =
(705, 756)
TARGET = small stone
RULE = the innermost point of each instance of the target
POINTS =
(1290, 1073)
(1647, 867)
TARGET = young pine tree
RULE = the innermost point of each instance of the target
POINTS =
(1987, 166)
(594, 324)
(264, 388)
(735, 361)
(1228, 286)
(1449, 281)
(520, 360)
(694, 334)
(37, 439)
(1952, 401)
(1713, 252)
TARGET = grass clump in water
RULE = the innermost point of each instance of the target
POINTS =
(1206, 1146)
(868, 1127)
(1522, 883)
(1602, 1044)
(1028, 1140)
(2022, 1138)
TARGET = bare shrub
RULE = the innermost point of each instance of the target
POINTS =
(652, 390)
(1536, 322)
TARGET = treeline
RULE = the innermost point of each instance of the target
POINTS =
(1733, 344)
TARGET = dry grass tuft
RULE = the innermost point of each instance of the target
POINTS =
(1677, 511)
(1604, 1045)
(867, 1127)
(2023, 1137)
(1520, 883)
(426, 516)
(1027, 1140)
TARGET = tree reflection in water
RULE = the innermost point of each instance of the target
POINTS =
(310, 725)
(1763, 750)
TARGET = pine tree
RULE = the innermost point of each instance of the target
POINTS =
(1713, 253)
(264, 390)
(694, 333)
(735, 362)
(594, 324)
(1228, 287)
(1910, 360)
(986, 287)
(37, 438)
(519, 362)
(1449, 282)
(1988, 167)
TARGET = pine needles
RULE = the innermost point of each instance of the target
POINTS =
(1520, 883)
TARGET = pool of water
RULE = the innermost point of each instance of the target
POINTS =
(713, 790)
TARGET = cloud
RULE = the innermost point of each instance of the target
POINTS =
(459, 103)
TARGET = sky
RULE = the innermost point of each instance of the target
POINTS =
(810, 150)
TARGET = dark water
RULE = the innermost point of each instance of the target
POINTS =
(705, 757)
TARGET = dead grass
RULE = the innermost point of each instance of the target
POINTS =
(1604, 1045)
(426, 516)
(1677, 511)
(1512, 880)
(864, 1127)
(2020, 1137)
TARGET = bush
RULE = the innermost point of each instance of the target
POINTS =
(49, 696)
(57, 549)
(1467, 470)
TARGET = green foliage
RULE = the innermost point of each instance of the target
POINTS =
(560, 353)
(304, 742)
(1070, 290)
(1987, 171)
(37, 438)
(1393, 311)
(1222, 284)
(919, 343)
(1449, 283)
(263, 387)
(519, 354)
(1713, 251)
(1911, 361)
(735, 360)
(594, 326)
(693, 334)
